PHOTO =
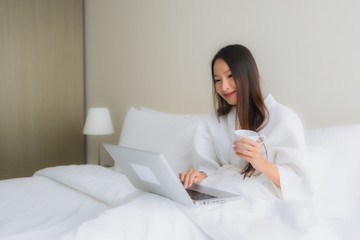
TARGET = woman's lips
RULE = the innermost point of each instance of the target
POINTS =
(229, 94)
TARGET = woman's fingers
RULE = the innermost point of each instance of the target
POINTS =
(246, 148)
(189, 177)
(182, 176)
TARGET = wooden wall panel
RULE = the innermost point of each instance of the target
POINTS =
(42, 86)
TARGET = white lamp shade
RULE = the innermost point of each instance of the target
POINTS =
(98, 122)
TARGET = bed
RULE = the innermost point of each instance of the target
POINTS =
(94, 202)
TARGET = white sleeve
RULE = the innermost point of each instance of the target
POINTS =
(203, 153)
(290, 156)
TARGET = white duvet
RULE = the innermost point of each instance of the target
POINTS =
(41, 208)
(257, 215)
(92, 202)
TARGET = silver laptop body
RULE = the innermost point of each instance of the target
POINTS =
(150, 172)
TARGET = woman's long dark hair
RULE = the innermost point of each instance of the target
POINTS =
(251, 111)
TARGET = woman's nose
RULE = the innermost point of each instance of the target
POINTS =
(225, 85)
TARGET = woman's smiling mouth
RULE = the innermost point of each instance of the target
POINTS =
(229, 94)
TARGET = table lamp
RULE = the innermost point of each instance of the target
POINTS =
(98, 122)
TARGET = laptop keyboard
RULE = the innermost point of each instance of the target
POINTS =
(195, 195)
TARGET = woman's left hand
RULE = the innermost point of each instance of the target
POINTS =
(250, 151)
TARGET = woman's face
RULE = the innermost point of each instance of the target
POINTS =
(224, 82)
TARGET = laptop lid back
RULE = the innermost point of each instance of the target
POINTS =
(149, 172)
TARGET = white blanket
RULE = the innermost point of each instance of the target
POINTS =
(40, 208)
(95, 181)
(126, 213)
(257, 215)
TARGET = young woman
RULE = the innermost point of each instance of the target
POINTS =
(278, 163)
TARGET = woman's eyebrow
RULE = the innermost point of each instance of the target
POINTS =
(226, 71)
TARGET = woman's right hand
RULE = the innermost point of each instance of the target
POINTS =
(192, 176)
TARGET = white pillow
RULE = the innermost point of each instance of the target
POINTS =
(334, 167)
(166, 133)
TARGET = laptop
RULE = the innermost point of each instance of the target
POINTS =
(151, 172)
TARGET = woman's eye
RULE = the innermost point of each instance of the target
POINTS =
(217, 80)
(230, 76)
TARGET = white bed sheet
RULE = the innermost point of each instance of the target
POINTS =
(41, 208)
(56, 200)
(258, 215)
(92, 202)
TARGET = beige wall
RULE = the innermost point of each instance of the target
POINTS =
(157, 54)
(41, 85)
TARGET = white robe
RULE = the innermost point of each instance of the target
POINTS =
(285, 143)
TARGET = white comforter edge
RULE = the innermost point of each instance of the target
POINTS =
(255, 216)
(96, 181)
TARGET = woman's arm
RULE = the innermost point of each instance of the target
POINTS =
(250, 151)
